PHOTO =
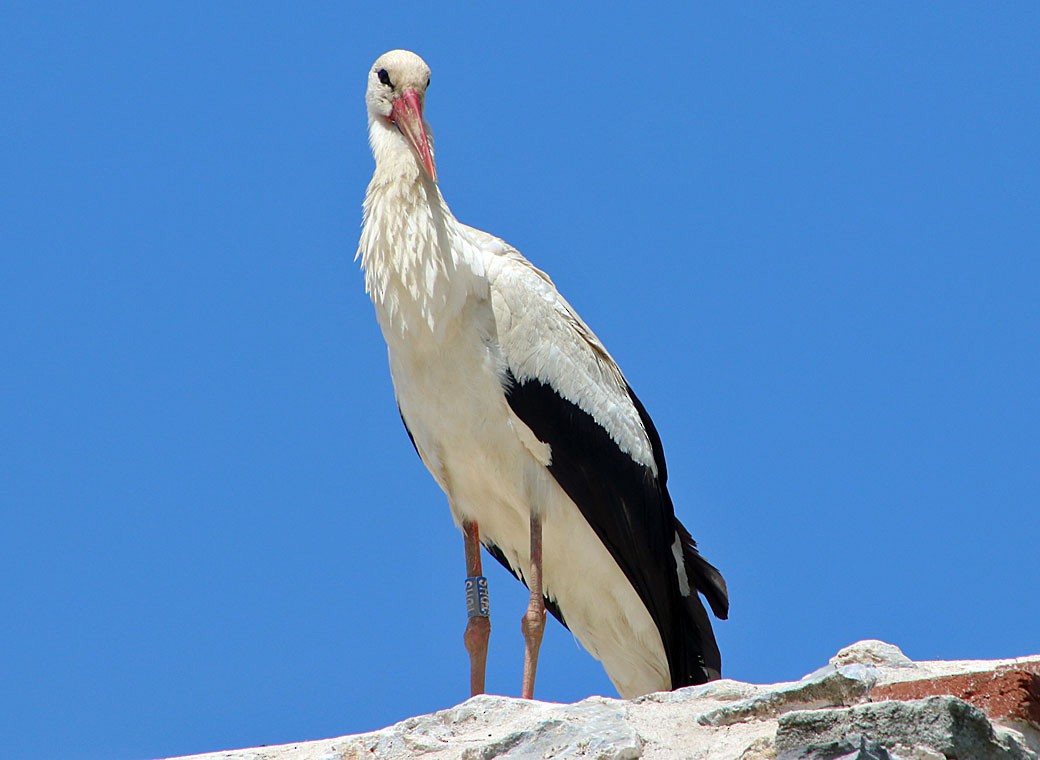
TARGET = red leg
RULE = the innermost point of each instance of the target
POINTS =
(478, 629)
(533, 622)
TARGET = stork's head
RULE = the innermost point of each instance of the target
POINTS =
(396, 95)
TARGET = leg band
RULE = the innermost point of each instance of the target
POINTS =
(477, 602)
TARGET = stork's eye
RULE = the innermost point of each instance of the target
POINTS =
(384, 77)
(428, 80)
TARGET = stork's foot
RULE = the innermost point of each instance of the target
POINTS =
(478, 630)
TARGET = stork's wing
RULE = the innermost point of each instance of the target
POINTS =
(560, 381)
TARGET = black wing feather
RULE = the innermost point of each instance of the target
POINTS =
(408, 430)
(630, 510)
(704, 576)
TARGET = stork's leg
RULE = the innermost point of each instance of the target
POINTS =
(533, 622)
(478, 629)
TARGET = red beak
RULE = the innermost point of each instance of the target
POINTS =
(407, 116)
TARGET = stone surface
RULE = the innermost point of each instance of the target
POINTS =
(872, 652)
(827, 687)
(870, 702)
(949, 726)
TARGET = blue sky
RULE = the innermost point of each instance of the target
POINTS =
(809, 235)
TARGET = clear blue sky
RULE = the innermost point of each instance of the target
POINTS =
(810, 236)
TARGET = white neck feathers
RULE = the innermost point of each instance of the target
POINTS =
(418, 266)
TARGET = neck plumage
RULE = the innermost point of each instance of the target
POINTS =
(411, 247)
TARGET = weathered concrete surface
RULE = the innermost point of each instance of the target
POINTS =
(870, 702)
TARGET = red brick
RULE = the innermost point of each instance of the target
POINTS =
(1011, 692)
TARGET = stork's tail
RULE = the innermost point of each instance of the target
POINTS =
(702, 662)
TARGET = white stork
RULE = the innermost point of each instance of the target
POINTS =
(547, 457)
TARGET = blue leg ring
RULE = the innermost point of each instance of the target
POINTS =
(477, 602)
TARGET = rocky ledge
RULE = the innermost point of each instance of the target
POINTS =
(870, 702)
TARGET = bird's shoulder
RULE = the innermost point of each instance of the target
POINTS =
(528, 306)
(544, 341)
(505, 265)
(524, 295)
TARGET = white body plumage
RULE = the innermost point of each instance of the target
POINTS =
(436, 311)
